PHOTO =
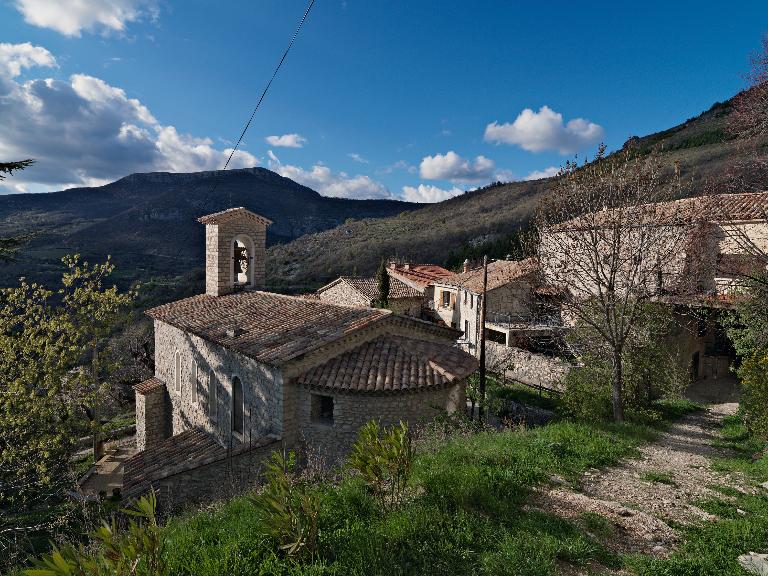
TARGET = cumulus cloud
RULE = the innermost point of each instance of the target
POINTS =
(454, 168)
(357, 158)
(546, 173)
(429, 193)
(14, 57)
(83, 131)
(328, 183)
(70, 17)
(287, 141)
(545, 130)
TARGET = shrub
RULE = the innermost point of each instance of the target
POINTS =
(137, 551)
(288, 509)
(384, 458)
(754, 393)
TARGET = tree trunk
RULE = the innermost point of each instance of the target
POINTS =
(618, 408)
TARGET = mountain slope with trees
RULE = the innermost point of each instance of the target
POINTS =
(700, 148)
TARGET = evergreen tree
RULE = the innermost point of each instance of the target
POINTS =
(382, 278)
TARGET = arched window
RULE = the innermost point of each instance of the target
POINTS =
(242, 260)
(177, 371)
(212, 399)
(195, 381)
(237, 405)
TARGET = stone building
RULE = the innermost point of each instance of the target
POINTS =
(706, 247)
(511, 298)
(357, 291)
(419, 276)
(241, 372)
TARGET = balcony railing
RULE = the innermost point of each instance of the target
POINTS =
(525, 320)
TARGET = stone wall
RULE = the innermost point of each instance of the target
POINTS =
(218, 480)
(407, 306)
(352, 411)
(219, 262)
(527, 367)
(151, 418)
(262, 387)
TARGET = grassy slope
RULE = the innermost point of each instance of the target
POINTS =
(430, 233)
(466, 514)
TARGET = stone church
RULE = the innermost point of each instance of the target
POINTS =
(240, 372)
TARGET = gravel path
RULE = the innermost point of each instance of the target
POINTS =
(640, 508)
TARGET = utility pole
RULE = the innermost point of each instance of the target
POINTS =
(481, 407)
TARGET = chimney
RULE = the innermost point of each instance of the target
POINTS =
(392, 264)
(235, 251)
(466, 265)
(406, 266)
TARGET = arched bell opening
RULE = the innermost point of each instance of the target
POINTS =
(242, 262)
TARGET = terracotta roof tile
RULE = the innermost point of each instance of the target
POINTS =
(270, 328)
(391, 364)
(499, 273)
(420, 274)
(149, 386)
(186, 451)
(230, 213)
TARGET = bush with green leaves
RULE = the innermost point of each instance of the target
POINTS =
(136, 551)
(652, 368)
(384, 459)
(288, 507)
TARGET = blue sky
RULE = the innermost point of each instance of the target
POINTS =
(414, 100)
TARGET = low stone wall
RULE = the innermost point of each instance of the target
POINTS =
(527, 367)
(223, 478)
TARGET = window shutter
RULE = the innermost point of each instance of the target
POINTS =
(453, 300)
(212, 400)
(195, 379)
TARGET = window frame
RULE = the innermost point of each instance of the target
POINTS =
(177, 387)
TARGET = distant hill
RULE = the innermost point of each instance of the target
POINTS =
(699, 145)
(147, 222)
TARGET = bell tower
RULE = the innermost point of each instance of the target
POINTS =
(235, 250)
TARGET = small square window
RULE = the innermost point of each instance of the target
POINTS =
(322, 409)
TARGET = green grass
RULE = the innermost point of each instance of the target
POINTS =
(526, 395)
(597, 524)
(660, 478)
(464, 515)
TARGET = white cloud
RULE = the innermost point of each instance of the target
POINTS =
(546, 173)
(357, 158)
(71, 17)
(287, 141)
(429, 193)
(454, 168)
(544, 130)
(83, 131)
(328, 183)
(14, 57)
(399, 165)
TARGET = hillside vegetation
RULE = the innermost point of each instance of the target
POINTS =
(148, 222)
(699, 145)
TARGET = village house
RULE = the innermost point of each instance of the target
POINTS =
(418, 276)
(714, 242)
(357, 291)
(240, 373)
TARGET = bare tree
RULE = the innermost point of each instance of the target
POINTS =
(611, 247)
(748, 123)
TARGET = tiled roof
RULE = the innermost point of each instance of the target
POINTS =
(715, 208)
(500, 272)
(270, 328)
(369, 288)
(391, 364)
(186, 451)
(230, 213)
(148, 386)
(420, 274)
